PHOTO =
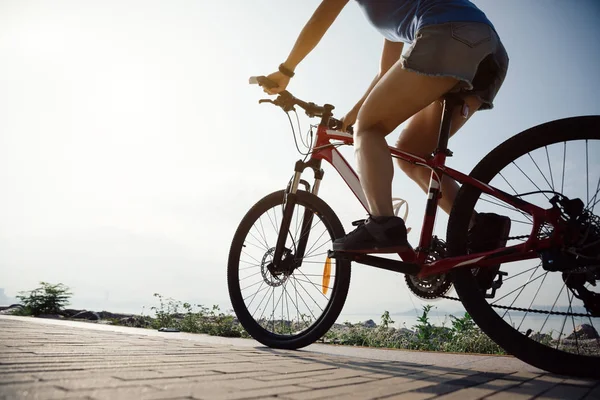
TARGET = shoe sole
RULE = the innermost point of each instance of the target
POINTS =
(394, 249)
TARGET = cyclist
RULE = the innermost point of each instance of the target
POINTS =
(453, 48)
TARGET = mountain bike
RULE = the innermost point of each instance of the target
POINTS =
(288, 287)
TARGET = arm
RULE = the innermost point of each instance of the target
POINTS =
(389, 56)
(309, 37)
(314, 30)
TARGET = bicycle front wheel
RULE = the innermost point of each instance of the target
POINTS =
(292, 306)
(538, 313)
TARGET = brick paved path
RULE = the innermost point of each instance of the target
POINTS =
(42, 359)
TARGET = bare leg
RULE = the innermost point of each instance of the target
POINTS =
(396, 97)
(420, 138)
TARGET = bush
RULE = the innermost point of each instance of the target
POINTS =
(463, 337)
(195, 319)
(47, 299)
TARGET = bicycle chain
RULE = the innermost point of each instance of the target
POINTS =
(519, 308)
(527, 310)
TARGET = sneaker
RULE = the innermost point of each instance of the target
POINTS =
(375, 235)
(490, 231)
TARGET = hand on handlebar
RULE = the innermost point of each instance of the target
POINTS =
(280, 79)
(349, 120)
(287, 102)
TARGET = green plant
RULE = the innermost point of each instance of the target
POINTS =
(47, 299)
(424, 329)
(463, 324)
(386, 320)
(165, 313)
(194, 319)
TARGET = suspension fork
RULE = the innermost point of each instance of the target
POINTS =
(290, 202)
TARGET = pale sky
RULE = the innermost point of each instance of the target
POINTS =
(131, 145)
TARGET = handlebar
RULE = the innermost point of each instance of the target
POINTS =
(286, 101)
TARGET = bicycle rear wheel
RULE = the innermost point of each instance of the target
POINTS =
(290, 307)
(536, 315)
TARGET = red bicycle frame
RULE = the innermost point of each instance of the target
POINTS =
(324, 149)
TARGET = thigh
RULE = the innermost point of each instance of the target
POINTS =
(420, 136)
(398, 95)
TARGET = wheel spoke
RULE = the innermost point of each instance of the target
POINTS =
(313, 284)
(562, 185)
(318, 288)
(257, 292)
(521, 273)
(243, 252)
(315, 255)
(249, 276)
(270, 293)
(526, 284)
(256, 245)
(541, 173)
(523, 288)
(570, 297)
(254, 284)
(300, 281)
(593, 200)
(587, 174)
(549, 167)
(318, 248)
(530, 180)
(552, 309)
(315, 242)
(532, 300)
(302, 298)
(262, 229)
(275, 307)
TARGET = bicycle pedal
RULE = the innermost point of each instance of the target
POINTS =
(495, 285)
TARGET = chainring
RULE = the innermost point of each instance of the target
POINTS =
(435, 286)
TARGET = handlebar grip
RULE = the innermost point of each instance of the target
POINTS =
(337, 125)
(262, 81)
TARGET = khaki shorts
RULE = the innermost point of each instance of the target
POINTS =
(468, 51)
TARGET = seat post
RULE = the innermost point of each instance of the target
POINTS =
(451, 102)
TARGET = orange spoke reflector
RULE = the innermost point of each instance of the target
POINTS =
(326, 275)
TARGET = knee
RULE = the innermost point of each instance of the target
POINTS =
(408, 168)
(364, 131)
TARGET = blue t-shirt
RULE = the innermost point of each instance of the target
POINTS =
(399, 20)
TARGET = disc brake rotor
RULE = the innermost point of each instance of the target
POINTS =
(272, 275)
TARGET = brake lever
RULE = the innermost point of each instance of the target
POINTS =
(266, 101)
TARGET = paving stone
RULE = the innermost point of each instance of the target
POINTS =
(46, 393)
(129, 393)
(336, 382)
(316, 374)
(481, 390)
(565, 392)
(526, 390)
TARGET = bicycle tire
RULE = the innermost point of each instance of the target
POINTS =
(505, 335)
(339, 290)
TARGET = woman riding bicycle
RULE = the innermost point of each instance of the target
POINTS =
(453, 48)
